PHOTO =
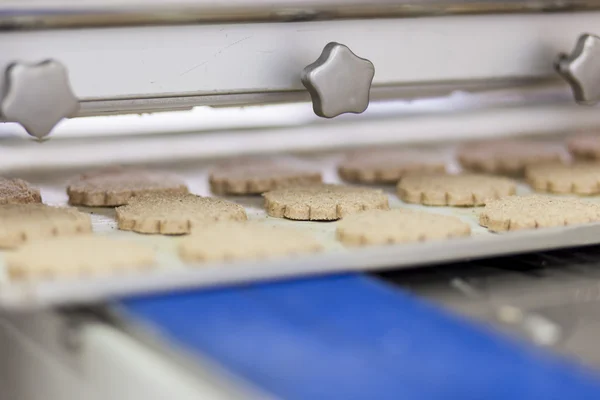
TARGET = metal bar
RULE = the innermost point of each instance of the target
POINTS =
(73, 14)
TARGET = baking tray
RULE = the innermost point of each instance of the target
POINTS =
(171, 273)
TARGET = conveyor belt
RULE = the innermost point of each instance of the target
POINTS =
(355, 337)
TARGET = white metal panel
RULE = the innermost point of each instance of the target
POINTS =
(209, 59)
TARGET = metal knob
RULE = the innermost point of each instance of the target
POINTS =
(339, 81)
(581, 69)
(38, 96)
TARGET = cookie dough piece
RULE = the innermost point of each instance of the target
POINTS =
(116, 186)
(398, 226)
(585, 147)
(76, 257)
(582, 178)
(17, 191)
(256, 177)
(22, 223)
(454, 190)
(175, 214)
(536, 211)
(388, 166)
(323, 202)
(508, 157)
(250, 240)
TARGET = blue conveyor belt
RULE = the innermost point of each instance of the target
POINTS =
(354, 337)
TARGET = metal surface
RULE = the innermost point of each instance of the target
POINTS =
(38, 96)
(339, 81)
(36, 14)
(551, 299)
(581, 69)
(179, 66)
(171, 273)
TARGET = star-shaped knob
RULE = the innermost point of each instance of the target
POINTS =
(581, 69)
(339, 81)
(38, 96)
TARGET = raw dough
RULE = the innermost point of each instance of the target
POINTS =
(509, 157)
(174, 214)
(323, 202)
(116, 186)
(22, 223)
(388, 166)
(581, 178)
(585, 146)
(258, 176)
(77, 256)
(17, 191)
(536, 211)
(454, 190)
(250, 240)
(398, 226)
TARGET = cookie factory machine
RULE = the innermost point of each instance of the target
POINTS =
(309, 77)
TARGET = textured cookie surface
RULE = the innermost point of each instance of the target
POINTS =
(323, 202)
(581, 178)
(17, 191)
(585, 146)
(249, 240)
(508, 157)
(398, 226)
(116, 186)
(454, 190)
(173, 214)
(21, 223)
(256, 177)
(388, 166)
(77, 256)
(536, 211)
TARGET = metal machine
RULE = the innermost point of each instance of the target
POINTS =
(130, 82)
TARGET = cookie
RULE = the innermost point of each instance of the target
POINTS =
(508, 157)
(77, 256)
(388, 166)
(250, 240)
(116, 186)
(22, 223)
(585, 146)
(580, 178)
(322, 202)
(175, 213)
(17, 191)
(536, 211)
(454, 190)
(256, 177)
(398, 226)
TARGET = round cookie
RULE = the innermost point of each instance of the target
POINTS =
(17, 191)
(508, 157)
(175, 214)
(454, 190)
(536, 211)
(398, 226)
(323, 202)
(388, 166)
(256, 177)
(585, 146)
(251, 240)
(116, 186)
(581, 178)
(77, 256)
(22, 223)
